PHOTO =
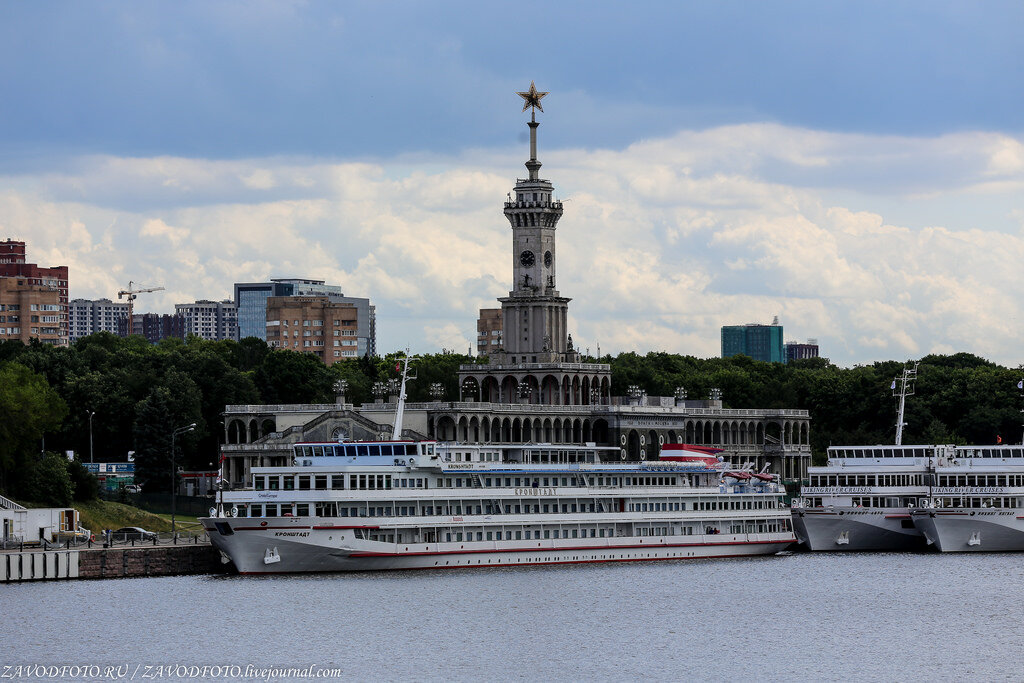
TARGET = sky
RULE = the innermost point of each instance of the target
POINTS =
(855, 169)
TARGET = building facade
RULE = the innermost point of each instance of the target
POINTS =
(798, 351)
(488, 331)
(89, 316)
(30, 311)
(760, 342)
(154, 326)
(210, 320)
(251, 300)
(13, 264)
(313, 324)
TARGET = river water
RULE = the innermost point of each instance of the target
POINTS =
(806, 617)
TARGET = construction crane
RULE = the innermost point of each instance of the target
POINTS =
(132, 293)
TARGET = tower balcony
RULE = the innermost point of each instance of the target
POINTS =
(553, 205)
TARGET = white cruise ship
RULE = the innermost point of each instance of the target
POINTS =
(406, 505)
(861, 499)
(977, 503)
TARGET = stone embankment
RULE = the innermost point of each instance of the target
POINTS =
(103, 563)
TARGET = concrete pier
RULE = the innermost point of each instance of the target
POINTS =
(100, 563)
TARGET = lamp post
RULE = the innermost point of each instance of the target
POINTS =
(174, 435)
(90, 413)
(340, 387)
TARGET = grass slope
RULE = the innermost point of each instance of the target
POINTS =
(98, 515)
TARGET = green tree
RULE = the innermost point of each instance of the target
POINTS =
(48, 481)
(28, 409)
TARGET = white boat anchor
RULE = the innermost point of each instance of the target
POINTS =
(272, 556)
(975, 538)
(843, 538)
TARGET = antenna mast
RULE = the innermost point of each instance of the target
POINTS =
(902, 387)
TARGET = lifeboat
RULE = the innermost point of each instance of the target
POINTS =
(763, 477)
(688, 453)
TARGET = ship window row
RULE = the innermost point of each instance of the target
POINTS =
(353, 450)
(337, 482)
(896, 452)
(702, 505)
(537, 533)
(867, 501)
(507, 482)
(1002, 452)
(1007, 480)
(867, 480)
(485, 456)
(391, 509)
(981, 502)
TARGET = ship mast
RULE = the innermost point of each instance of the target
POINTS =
(902, 387)
(1020, 385)
(396, 434)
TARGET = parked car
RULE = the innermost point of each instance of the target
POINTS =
(132, 533)
(132, 488)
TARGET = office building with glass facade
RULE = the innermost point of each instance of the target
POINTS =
(760, 342)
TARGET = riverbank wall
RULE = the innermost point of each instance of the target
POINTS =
(105, 563)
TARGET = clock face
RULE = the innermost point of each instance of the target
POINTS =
(527, 258)
(547, 259)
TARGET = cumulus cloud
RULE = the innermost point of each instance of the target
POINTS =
(880, 247)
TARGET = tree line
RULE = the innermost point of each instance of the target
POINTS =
(138, 393)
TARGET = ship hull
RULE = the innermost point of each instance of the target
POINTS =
(966, 530)
(337, 550)
(856, 529)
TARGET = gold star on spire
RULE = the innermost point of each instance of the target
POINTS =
(532, 97)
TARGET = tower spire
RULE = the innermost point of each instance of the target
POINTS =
(531, 101)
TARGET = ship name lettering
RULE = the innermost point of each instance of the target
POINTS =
(302, 534)
(940, 490)
(535, 491)
(834, 490)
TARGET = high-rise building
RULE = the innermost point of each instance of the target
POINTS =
(760, 342)
(251, 300)
(210, 320)
(89, 316)
(798, 351)
(154, 326)
(30, 311)
(13, 265)
(318, 325)
(488, 331)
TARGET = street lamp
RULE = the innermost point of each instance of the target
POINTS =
(90, 413)
(174, 435)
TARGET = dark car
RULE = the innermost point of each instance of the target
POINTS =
(132, 533)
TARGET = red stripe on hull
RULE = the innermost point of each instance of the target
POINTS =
(608, 548)
(527, 564)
